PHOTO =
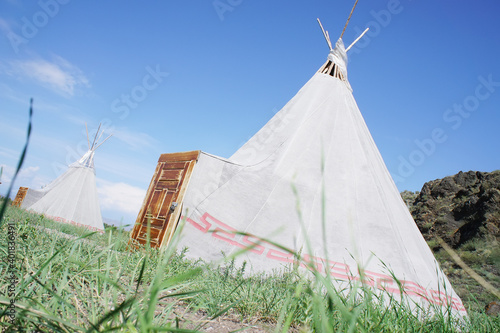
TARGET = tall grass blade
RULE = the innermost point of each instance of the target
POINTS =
(19, 165)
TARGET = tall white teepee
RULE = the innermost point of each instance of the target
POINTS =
(72, 197)
(317, 152)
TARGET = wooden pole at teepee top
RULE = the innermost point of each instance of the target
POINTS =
(99, 138)
(103, 141)
(345, 26)
(360, 36)
(95, 137)
(325, 33)
(88, 141)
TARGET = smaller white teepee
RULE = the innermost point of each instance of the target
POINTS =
(72, 197)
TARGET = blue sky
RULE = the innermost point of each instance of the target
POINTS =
(169, 76)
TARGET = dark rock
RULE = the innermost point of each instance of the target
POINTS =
(426, 190)
(467, 179)
(466, 208)
(462, 194)
(492, 309)
(444, 188)
(459, 208)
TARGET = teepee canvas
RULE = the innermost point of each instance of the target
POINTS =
(70, 198)
(312, 173)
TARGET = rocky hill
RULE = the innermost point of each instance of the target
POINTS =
(459, 208)
(464, 210)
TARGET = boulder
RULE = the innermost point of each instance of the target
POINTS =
(492, 309)
(459, 208)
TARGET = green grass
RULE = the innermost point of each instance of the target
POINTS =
(90, 282)
(482, 255)
(70, 280)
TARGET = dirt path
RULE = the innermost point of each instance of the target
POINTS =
(224, 324)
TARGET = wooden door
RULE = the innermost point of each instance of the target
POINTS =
(162, 205)
(21, 194)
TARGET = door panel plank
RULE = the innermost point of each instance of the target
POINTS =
(168, 186)
(21, 194)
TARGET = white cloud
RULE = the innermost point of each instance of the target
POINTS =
(41, 105)
(27, 176)
(28, 172)
(135, 140)
(125, 167)
(74, 119)
(120, 196)
(59, 75)
(7, 153)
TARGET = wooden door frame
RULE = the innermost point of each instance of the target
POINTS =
(171, 219)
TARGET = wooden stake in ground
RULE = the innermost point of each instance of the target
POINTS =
(467, 269)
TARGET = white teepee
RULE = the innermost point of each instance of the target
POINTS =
(72, 197)
(316, 153)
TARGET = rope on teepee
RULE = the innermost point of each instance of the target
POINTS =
(345, 26)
